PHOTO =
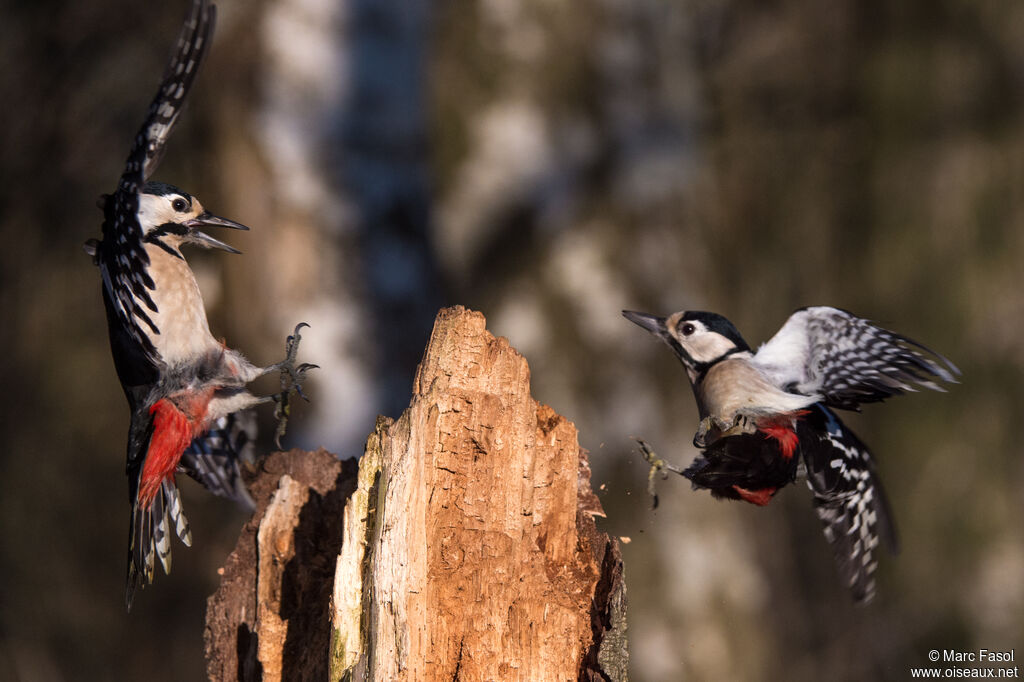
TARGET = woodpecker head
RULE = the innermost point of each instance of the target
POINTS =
(698, 339)
(172, 217)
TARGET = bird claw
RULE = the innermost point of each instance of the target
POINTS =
(294, 378)
(741, 424)
(291, 382)
(292, 344)
(720, 428)
(707, 426)
(657, 464)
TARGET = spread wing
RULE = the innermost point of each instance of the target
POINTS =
(213, 458)
(121, 256)
(151, 139)
(847, 360)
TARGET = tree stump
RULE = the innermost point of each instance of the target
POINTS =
(463, 548)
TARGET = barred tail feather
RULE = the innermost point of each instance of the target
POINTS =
(149, 537)
(176, 513)
(160, 524)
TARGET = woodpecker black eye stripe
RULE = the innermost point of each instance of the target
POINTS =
(663, 328)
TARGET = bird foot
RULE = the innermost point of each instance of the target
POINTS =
(708, 431)
(716, 427)
(741, 424)
(292, 376)
(657, 465)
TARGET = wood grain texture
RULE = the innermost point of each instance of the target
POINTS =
(237, 637)
(482, 559)
(464, 548)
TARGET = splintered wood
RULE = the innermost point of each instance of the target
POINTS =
(468, 549)
(269, 619)
(482, 561)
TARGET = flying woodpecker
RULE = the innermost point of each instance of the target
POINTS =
(767, 416)
(185, 389)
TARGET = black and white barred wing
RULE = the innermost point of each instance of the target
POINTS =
(123, 266)
(188, 53)
(213, 458)
(846, 360)
(121, 255)
(848, 498)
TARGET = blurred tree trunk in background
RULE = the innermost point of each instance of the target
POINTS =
(326, 147)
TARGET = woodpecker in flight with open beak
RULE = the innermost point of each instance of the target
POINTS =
(767, 416)
(185, 389)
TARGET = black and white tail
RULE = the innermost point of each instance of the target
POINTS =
(149, 536)
(848, 498)
(212, 459)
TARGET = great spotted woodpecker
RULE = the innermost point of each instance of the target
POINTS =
(185, 389)
(766, 416)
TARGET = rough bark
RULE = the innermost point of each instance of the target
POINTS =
(269, 619)
(464, 547)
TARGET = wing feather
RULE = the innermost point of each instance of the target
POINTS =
(121, 255)
(213, 458)
(848, 360)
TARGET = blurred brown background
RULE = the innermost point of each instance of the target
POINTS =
(548, 164)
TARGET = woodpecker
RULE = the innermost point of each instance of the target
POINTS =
(185, 389)
(766, 417)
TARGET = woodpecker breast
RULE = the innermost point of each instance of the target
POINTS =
(181, 317)
(734, 386)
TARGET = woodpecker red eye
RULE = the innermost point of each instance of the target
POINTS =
(688, 329)
(179, 205)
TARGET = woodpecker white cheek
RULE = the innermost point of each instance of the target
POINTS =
(707, 346)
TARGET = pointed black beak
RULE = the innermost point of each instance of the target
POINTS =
(652, 323)
(207, 219)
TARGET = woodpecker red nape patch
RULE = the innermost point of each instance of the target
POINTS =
(172, 433)
(781, 428)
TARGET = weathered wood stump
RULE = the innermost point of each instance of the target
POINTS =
(464, 546)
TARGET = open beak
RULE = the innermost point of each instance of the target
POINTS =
(207, 219)
(652, 323)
